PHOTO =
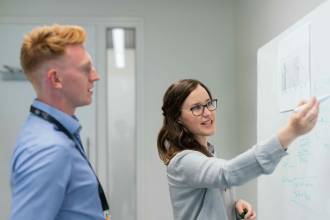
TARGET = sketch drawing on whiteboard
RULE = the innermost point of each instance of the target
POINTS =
(294, 68)
(292, 73)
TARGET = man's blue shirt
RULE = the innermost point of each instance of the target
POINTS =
(50, 179)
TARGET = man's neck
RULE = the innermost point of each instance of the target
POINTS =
(58, 105)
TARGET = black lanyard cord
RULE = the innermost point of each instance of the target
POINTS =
(51, 119)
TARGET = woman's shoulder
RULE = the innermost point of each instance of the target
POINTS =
(185, 158)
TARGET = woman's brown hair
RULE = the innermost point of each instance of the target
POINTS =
(173, 137)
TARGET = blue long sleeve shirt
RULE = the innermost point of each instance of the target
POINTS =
(50, 179)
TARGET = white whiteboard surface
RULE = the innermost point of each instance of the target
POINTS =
(294, 67)
(298, 188)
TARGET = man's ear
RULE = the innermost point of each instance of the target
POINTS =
(54, 78)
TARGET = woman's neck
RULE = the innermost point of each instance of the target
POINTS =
(202, 140)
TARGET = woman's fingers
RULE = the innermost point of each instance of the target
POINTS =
(306, 107)
(304, 119)
(308, 121)
(252, 216)
(313, 113)
(302, 102)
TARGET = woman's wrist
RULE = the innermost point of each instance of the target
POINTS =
(286, 136)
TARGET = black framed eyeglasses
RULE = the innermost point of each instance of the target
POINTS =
(198, 110)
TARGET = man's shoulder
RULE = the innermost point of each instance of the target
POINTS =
(38, 136)
(40, 142)
(37, 130)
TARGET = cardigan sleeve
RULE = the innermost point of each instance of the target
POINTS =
(193, 169)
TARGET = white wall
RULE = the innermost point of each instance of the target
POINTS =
(257, 22)
(181, 39)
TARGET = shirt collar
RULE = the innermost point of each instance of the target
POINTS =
(71, 123)
(210, 148)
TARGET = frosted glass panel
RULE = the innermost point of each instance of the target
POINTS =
(121, 130)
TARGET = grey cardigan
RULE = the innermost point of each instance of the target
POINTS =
(201, 187)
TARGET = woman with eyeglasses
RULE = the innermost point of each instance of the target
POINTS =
(201, 184)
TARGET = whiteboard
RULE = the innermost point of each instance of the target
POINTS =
(298, 188)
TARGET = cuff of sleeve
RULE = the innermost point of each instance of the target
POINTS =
(269, 153)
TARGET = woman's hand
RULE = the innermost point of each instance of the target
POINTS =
(241, 205)
(300, 122)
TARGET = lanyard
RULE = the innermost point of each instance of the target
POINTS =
(51, 119)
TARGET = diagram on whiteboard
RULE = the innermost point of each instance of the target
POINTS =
(294, 68)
